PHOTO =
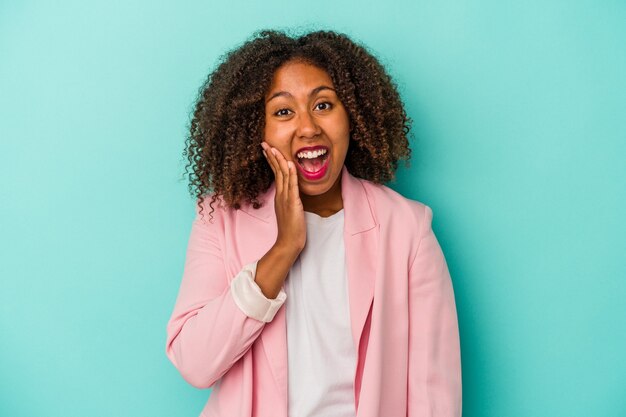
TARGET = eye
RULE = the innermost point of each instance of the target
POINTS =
(278, 112)
(327, 104)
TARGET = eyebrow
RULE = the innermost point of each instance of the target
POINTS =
(286, 94)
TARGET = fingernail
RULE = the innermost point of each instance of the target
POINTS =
(274, 151)
(264, 154)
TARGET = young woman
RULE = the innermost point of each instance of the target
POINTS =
(312, 289)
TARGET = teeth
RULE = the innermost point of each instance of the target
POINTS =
(310, 155)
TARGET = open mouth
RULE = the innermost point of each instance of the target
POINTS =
(315, 167)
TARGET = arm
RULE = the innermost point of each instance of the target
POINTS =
(434, 380)
(214, 323)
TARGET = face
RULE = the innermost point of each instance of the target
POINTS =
(302, 110)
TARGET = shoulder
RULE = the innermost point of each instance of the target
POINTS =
(403, 221)
(211, 209)
(214, 210)
(391, 206)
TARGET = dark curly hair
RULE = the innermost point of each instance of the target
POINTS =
(223, 146)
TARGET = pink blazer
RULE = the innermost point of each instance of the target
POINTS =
(402, 310)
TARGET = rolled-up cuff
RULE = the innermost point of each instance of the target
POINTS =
(249, 297)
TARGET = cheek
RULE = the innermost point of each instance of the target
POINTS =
(342, 127)
(281, 146)
(267, 132)
(273, 131)
(278, 137)
(344, 152)
(342, 138)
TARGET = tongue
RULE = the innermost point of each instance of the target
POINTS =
(312, 165)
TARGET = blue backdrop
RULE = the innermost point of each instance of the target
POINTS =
(518, 112)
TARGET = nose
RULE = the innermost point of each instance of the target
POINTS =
(307, 125)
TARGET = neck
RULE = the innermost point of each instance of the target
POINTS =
(325, 204)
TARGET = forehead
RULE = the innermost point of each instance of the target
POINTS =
(295, 77)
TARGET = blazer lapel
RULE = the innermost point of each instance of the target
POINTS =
(361, 243)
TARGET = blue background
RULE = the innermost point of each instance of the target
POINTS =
(519, 147)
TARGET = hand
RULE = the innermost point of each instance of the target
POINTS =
(287, 203)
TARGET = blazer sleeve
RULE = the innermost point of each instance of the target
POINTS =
(434, 380)
(214, 323)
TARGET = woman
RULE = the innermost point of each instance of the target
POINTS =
(313, 289)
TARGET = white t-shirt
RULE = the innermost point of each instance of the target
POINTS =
(321, 352)
(322, 358)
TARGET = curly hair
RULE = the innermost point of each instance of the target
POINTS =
(226, 129)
